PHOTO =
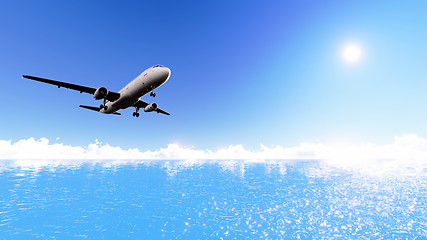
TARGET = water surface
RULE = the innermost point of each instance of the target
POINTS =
(199, 200)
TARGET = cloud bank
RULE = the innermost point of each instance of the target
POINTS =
(407, 151)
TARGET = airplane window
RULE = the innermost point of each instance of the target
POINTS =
(157, 66)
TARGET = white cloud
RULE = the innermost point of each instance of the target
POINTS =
(406, 152)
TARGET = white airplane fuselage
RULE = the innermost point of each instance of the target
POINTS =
(146, 82)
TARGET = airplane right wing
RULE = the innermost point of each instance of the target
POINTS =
(142, 104)
(111, 96)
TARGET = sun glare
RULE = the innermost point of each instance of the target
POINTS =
(352, 53)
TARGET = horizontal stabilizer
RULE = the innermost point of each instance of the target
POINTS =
(90, 108)
(96, 109)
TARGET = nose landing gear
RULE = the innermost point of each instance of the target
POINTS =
(152, 94)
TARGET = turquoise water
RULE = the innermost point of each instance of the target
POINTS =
(200, 200)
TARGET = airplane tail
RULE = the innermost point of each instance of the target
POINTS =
(96, 109)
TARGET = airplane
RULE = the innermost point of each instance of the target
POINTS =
(146, 82)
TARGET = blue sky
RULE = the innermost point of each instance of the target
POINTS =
(243, 72)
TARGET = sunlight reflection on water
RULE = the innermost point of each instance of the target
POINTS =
(227, 199)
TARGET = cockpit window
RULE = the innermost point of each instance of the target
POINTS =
(157, 66)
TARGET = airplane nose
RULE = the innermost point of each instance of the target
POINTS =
(166, 73)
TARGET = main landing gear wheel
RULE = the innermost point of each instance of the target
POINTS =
(136, 114)
(102, 106)
(152, 94)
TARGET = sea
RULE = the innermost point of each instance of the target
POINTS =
(224, 199)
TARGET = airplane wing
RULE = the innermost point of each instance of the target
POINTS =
(142, 104)
(111, 96)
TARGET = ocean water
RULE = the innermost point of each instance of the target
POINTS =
(209, 200)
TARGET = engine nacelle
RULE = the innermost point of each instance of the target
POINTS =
(150, 107)
(100, 93)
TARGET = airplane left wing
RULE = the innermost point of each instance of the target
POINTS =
(111, 96)
(142, 104)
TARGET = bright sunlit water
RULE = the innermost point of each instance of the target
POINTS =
(200, 200)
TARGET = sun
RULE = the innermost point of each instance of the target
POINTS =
(352, 53)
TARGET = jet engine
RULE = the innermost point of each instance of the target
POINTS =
(150, 107)
(100, 93)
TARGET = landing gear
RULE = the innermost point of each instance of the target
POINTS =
(102, 106)
(152, 94)
(136, 114)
